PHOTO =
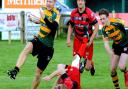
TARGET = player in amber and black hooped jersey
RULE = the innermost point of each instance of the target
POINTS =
(42, 45)
(114, 29)
(116, 32)
(80, 21)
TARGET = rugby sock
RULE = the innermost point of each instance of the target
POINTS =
(76, 61)
(115, 80)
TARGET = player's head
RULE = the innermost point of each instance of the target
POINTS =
(50, 4)
(81, 3)
(104, 14)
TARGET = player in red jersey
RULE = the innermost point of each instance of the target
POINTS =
(68, 75)
(82, 18)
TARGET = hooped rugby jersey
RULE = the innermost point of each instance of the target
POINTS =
(46, 35)
(81, 22)
(116, 32)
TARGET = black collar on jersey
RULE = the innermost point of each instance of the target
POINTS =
(84, 12)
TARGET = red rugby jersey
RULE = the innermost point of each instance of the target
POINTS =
(74, 74)
(82, 21)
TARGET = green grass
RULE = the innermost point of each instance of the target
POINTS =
(9, 54)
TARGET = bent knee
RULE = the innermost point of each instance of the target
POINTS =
(37, 77)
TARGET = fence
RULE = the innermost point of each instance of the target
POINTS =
(11, 22)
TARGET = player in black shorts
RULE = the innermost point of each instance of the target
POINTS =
(114, 29)
(42, 45)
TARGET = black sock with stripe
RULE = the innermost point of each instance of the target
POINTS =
(115, 80)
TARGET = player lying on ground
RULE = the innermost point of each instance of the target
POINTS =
(68, 75)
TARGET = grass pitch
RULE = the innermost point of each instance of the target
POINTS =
(9, 54)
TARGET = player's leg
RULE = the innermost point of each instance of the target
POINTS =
(82, 52)
(23, 55)
(88, 63)
(82, 48)
(113, 66)
(76, 45)
(90, 56)
(44, 57)
(41, 65)
(76, 61)
(114, 60)
(37, 78)
(79, 49)
(92, 70)
(122, 65)
(82, 64)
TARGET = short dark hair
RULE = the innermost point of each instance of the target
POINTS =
(104, 11)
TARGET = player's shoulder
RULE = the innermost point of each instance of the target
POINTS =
(74, 11)
(55, 10)
(88, 10)
(116, 20)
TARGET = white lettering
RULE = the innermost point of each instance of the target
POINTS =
(11, 2)
(32, 2)
(25, 2)
(29, 2)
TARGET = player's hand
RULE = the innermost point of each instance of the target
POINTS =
(88, 44)
(29, 18)
(47, 78)
(68, 43)
(12, 73)
(42, 13)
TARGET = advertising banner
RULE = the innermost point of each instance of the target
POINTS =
(8, 21)
(29, 4)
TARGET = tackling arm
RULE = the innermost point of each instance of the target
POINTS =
(60, 70)
(107, 46)
(52, 75)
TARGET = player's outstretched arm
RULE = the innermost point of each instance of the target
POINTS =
(57, 72)
(34, 19)
(52, 75)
